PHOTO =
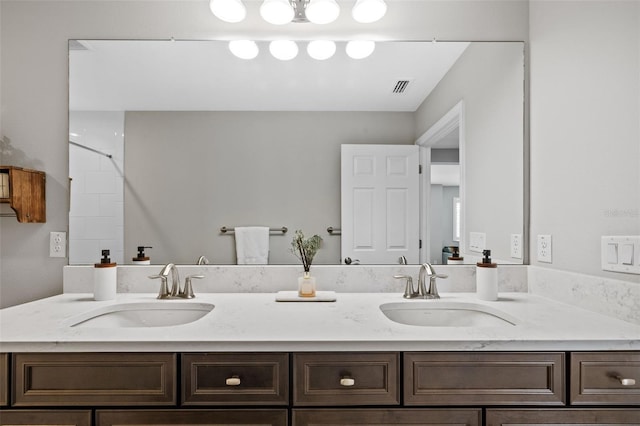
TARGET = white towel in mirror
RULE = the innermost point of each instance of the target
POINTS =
(252, 245)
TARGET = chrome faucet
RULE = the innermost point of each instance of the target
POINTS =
(202, 261)
(176, 291)
(426, 270)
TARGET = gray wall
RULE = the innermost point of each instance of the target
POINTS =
(34, 71)
(486, 77)
(585, 128)
(189, 173)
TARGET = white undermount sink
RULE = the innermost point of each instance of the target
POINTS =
(142, 314)
(438, 313)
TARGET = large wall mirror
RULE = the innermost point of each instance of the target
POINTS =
(170, 141)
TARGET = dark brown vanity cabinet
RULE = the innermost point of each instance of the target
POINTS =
(53, 417)
(93, 379)
(248, 417)
(478, 378)
(391, 416)
(565, 416)
(4, 379)
(333, 379)
(605, 378)
(321, 388)
(235, 379)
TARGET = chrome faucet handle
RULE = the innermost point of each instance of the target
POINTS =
(187, 293)
(409, 291)
(164, 288)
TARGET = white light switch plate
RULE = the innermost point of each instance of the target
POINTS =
(58, 244)
(620, 253)
(477, 241)
(544, 248)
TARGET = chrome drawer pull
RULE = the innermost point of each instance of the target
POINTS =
(347, 381)
(626, 382)
(233, 381)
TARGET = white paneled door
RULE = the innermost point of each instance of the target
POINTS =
(380, 206)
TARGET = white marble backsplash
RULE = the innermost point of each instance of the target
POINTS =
(611, 297)
(273, 278)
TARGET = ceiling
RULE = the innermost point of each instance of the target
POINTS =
(125, 75)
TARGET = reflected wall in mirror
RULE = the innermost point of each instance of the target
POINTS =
(199, 139)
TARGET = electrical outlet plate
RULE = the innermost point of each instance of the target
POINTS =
(516, 246)
(58, 244)
(544, 248)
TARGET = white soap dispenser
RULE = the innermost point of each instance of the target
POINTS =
(455, 258)
(487, 278)
(105, 278)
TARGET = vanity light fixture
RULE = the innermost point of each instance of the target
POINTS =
(244, 49)
(322, 11)
(284, 50)
(360, 49)
(368, 11)
(228, 10)
(321, 49)
(279, 12)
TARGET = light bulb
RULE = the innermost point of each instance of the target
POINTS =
(321, 49)
(228, 10)
(368, 11)
(244, 49)
(284, 50)
(360, 49)
(277, 12)
(322, 11)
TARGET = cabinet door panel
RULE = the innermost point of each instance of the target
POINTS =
(45, 418)
(447, 378)
(582, 417)
(235, 378)
(608, 378)
(56, 379)
(387, 417)
(4, 379)
(191, 417)
(346, 379)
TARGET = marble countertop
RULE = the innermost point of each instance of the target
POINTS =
(256, 322)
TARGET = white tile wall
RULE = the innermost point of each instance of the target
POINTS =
(97, 203)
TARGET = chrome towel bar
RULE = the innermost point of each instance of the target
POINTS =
(283, 230)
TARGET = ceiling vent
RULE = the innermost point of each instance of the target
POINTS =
(77, 45)
(401, 86)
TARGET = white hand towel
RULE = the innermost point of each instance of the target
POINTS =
(252, 245)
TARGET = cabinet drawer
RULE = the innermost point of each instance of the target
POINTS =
(241, 378)
(57, 379)
(555, 417)
(391, 416)
(4, 379)
(45, 418)
(346, 379)
(191, 417)
(438, 378)
(605, 378)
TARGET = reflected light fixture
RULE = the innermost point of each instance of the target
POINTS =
(277, 12)
(322, 11)
(321, 49)
(244, 49)
(368, 11)
(281, 12)
(360, 49)
(228, 10)
(284, 50)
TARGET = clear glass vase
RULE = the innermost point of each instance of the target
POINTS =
(306, 285)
